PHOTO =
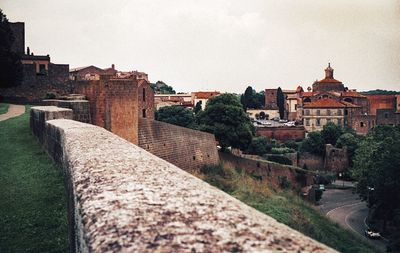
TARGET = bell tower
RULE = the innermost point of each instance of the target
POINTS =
(329, 72)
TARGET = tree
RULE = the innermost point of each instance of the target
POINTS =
(280, 100)
(331, 133)
(10, 62)
(162, 88)
(197, 107)
(176, 115)
(350, 141)
(225, 118)
(377, 171)
(252, 99)
(314, 144)
(259, 146)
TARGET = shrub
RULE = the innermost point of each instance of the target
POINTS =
(259, 146)
(50, 95)
(282, 150)
(292, 144)
(213, 169)
(284, 182)
(278, 159)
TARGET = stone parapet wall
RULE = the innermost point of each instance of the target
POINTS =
(269, 172)
(186, 148)
(124, 199)
(80, 108)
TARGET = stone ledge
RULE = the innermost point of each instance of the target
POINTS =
(126, 199)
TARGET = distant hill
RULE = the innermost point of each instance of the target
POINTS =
(380, 92)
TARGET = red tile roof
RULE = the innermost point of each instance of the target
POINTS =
(351, 94)
(328, 103)
(307, 94)
(205, 94)
(329, 80)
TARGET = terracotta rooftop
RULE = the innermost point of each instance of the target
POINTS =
(328, 80)
(205, 94)
(352, 94)
(307, 94)
(328, 103)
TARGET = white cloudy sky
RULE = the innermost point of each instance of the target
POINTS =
(221, 45)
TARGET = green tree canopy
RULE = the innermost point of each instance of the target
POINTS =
(314, 143)
(197, 107)
(280, 100)
(377, 171)
(162, 88)
(350, 141)
(252, 99)
(259, 146)
(176, 115)
(225, 118)
(331, 133)
(10, 62)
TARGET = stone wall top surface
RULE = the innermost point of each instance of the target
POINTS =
(130, 200)
(50, 109)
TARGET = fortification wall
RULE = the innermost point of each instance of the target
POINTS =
(186, 148)
(35, 87)
(122, 198)
(80, 108)
(336, 159)
(113, 105)
(269, 172)
(282, 133)
(313, 162)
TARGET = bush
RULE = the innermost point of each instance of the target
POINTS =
(50, 95)
(259, 146)
(284, 182)
(283, 150)
(278, 159)
(292, 144)
(213, 169)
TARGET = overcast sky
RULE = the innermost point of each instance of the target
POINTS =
(222, 45)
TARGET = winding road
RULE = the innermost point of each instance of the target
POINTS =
(348, 210)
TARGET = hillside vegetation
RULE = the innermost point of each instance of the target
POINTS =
(284, 206)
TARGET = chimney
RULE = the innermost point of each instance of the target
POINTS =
(28, 51)
(113, 66)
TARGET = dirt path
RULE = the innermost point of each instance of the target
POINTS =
(13, 111)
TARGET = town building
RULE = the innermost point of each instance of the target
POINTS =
(203, 97)
(161, 100)
(40, 76)
(330, 101)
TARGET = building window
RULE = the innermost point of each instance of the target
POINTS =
(144, 113)
(307, 122)
(144, 94)
(339, 112)
(307, 112)
(295, 107)
(318, 112)
(361, 124)
(318, 121)
(386, 115)
(328, 112)
(346, 112)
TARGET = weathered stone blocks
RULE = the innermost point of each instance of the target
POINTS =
(125, 199)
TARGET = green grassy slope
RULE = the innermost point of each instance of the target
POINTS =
(33, 214)
(285, 207)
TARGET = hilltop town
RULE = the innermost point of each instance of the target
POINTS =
(128, 148)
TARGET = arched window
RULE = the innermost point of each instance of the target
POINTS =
(307, 100)
(348, 100)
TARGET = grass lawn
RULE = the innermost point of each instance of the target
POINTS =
(3, 108)
(285, 207)
(33, 213)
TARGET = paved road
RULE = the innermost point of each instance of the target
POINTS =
(13, 111)
(346, 208)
